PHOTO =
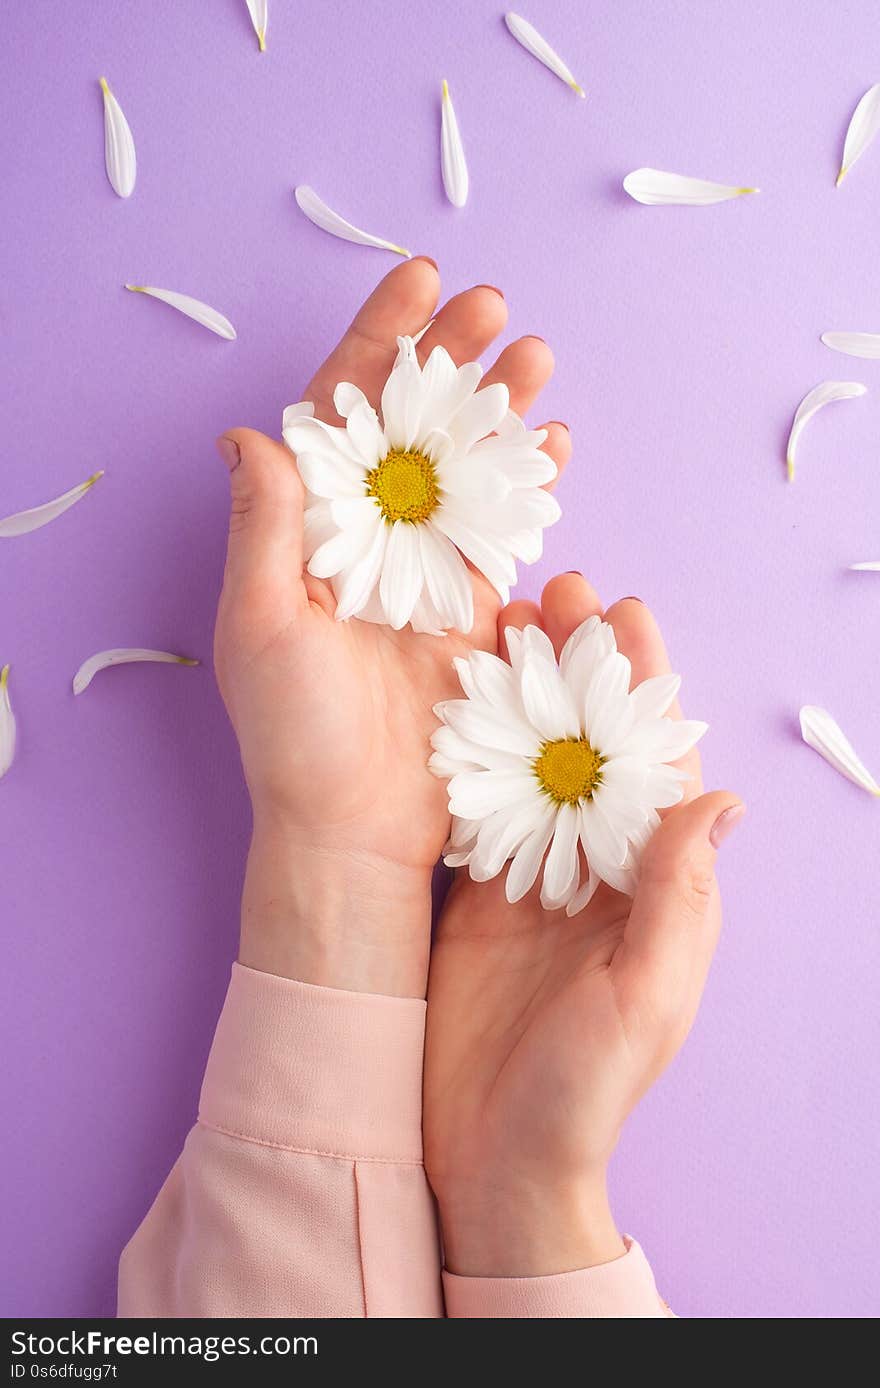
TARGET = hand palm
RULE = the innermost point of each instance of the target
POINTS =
(543, 1031)
(334, 719)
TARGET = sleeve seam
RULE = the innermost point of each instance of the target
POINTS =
(360, 1239)
(306, 1151)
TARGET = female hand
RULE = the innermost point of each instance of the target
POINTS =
(333, 718)
(544, 1031)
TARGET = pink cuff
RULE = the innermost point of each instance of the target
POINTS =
(619, 1290)
(317, 1070)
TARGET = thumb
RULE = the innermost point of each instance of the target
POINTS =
(266, 515)
(676, 915)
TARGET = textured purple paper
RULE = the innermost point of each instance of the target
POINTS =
(685, 338)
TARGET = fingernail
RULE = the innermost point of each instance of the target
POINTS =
(632, 598)
(429, 259)
(726, 821)
(493, 288)
(574, 571)
(537, 338)
(561, 422)
(229, 451)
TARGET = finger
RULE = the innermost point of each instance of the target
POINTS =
(466, 325)
(567, 600)
(524, 367)
(673, 926)
(557, 445)
(265, 524)
(400, 305)
(638, 637)
(519, 613)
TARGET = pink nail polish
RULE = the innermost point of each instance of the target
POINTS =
(494, 289)
(229, 452)
(725, 823)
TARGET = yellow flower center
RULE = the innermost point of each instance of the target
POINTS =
(569, 770)
(404, 486)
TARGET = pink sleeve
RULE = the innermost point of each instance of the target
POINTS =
(620, 1290)
(300, 1192)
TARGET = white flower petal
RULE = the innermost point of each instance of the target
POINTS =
(561, 870)
(402, 576)
(365, 434)
(484, 676)
(447, 579)
(604, 839)
(124, 656)
(528, 857)
(452, 161)
(401, 404)
(357, 583)
(259, 12)
(345, 548)
(479, 415)
(500, 836)
(584, 894)
(488, 555)
(819, 731)
(499, 729)
(7, 724)
(120, 160)
(329, 477)
(23, 522)
(653, 697)
(193, 308)
(477, 794)
(305, 435)
(469, 755)
(318, 527)
(863, 126)
(854, 344)
(304, 409)
(608, 686)
(547, 701)
(823, 394)
(346, 397)
(536, 643)
(867, 566)
(653, 187)
(533, 43)
(663, 739)
(330, 221)
(426, 618)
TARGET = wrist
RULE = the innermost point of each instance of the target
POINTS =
(327, 914)
(528, 1230)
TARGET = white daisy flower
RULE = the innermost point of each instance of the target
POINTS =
(543, 757)
(395, 505)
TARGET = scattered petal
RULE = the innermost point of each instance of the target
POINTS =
(91, 667)
(867, 566)
(823, 394)
(259, 12)
(7, 724)
(526, 34)
(853, 344)
(192, 308)
(25, 521)
(452, 161)
(863, 127)
(120, 160)
(324, 217)
(653, 187)
(819, 731)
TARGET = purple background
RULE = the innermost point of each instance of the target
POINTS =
(685, 339)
